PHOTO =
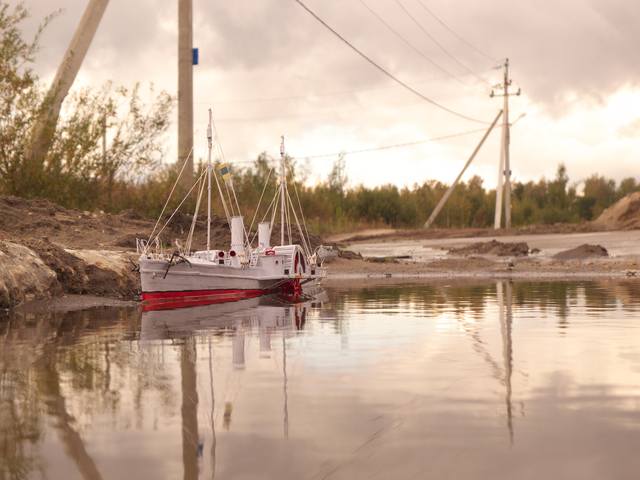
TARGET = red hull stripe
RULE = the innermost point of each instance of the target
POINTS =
(219, 293)
(182, 302)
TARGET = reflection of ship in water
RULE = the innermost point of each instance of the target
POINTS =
(269, 315)
(265, 313)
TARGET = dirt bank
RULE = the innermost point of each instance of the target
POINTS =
(48, 251)
(622, 215)
(40, 269)
(27, 219)
(23, 220)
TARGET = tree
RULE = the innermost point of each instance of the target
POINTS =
(337, 180)
(602, 191)
(76, 171)
(627, 186)
(20, 94)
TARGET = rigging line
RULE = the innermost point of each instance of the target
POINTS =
(224, 159)
(169, 197)
(408, 43)
(276, 197)
(180, 205)
(454, 33)
(286, 214)
(396, 145)
(385, 71)
(195, 216)
(305, 244)
(264, 189)
(271, 204)
(304, 222)
(440, 46)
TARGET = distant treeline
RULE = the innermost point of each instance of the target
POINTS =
(333, 206)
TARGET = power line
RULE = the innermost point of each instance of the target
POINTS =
(454, 33)
(315, 95)
(308, 114)
(383, 70)
(440, 46)
(395, 145)
(407, 42)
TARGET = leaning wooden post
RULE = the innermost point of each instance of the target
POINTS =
(447, 194)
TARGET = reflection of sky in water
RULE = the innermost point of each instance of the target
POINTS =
(470, 380)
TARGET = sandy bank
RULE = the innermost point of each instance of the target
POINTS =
(39, 269)
(47, 252)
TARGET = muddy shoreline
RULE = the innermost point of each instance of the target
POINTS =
(41, 270)
(48, 252)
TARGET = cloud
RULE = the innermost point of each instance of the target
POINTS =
(268, 68)
(631, 129)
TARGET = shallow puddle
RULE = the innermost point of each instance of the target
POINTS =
(495, 380)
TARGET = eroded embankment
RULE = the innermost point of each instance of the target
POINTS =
(41, 269)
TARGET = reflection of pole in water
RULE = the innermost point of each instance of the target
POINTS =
(284, 386)
(189, 409)
(213, 429)
(49, 384)
(506, 319)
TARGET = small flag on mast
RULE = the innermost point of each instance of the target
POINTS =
(225, 172)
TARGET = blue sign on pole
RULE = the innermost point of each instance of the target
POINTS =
(196, 56)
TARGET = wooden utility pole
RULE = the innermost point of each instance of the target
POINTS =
(448, 193)
(504, 174)
(45, 124)
(185, 89)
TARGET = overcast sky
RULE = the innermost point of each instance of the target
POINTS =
(267, 68)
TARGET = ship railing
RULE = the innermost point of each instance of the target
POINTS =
(150, 248)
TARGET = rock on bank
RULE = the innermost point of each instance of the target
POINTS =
(41, 269)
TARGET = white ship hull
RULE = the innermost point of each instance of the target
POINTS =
(197, 281)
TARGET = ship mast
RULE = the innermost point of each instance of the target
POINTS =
(283, 183)
(209, 142)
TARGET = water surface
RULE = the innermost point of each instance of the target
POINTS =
(439, 380)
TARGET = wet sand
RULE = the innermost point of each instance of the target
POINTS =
(429, 258)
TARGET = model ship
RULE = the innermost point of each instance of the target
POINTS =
(246, 268)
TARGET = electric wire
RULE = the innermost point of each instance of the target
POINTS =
(392, 146)
(309, 114)
(408, 43)
(384, 70)
(439, 45)
(454, 33)
(320, 94)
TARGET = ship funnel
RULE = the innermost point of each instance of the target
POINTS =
(237, 234)
(264, 235)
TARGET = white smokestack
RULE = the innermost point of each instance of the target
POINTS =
(237, 234)
(264, 235)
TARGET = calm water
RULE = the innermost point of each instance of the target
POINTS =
(476, 380)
